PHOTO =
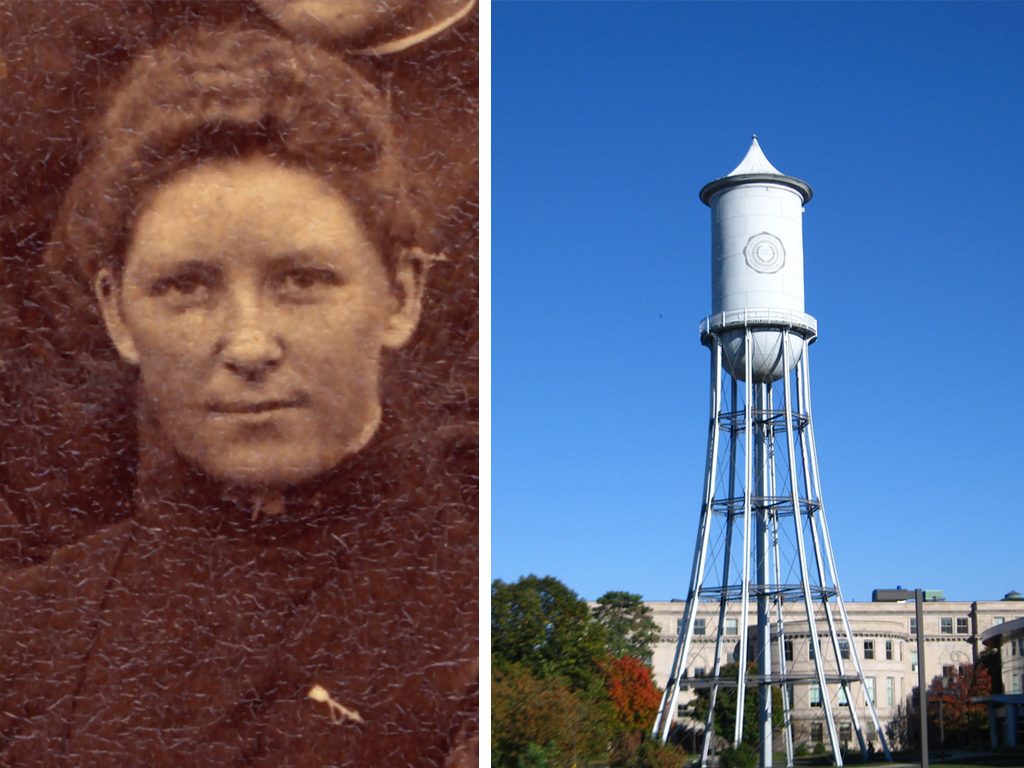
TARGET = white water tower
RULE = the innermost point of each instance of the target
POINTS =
(764, 574)
(757, 265)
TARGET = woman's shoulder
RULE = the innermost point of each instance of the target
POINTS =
(47, 599)
(73, 570)
(45, 607)
(47, 617)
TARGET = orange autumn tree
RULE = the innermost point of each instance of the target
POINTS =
(631, 688)
(960, 716)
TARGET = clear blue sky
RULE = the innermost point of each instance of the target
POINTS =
(908, 122)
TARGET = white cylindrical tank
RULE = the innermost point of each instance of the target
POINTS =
(757, 265)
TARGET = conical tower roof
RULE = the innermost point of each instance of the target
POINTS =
(755, 167)
(755, 162)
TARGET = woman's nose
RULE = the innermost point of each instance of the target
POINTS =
(249, 347)
(251, 353)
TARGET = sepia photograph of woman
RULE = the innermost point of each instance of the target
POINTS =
(256, 310)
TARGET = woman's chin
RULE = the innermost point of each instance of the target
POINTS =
(264, 470)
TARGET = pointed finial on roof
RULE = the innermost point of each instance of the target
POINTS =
(755, 162)
(754, 168)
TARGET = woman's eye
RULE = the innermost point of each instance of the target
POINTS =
(190, 286)
(306, 280)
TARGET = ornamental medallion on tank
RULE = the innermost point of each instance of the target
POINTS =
(765, 253)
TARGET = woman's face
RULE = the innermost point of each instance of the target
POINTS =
(257, 308)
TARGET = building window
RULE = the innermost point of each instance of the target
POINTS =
(817, 734)
(890, 691)
(869, 688)
(913, 661)
(997, 620)
(961, 626)
(843, 701)
(913, 625)
(844, 648)
(731, 628)
(946, 625)
(815, 695)
(948, 671)
(869, 649)
(810, 649)
(700, 626)
(888, 650)
(787, 648)
(845, 732)
(699, 672)
(872, 733)
(681, 710)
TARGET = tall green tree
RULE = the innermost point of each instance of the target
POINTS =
(542, 721)
(725, 707)
(628, 624)
(545, 626)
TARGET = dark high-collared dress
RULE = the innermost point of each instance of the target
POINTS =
(193, 634)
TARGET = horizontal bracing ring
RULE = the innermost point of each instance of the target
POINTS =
(753, 680)
(735, 421)
(734, 592)
(780, 505)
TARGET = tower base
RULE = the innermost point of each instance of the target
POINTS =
(764, 613)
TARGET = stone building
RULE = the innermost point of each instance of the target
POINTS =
(884, 636)
(1006, 704)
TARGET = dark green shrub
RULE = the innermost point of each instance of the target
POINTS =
(534, 756)
(743, 756)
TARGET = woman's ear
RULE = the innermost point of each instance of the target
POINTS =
(108, 291)
(409, 281)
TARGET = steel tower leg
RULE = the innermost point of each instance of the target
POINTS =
(802, 554)
(669, 700)
(810, 454)
(730, 516)
(777, 600)
(844, 684)
(812, 514)
(764, 641)
(716, 670)
(787, 717)
(748, 439)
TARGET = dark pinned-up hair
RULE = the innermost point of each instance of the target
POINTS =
(230, 94)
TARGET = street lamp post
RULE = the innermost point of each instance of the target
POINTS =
(897, 595)
(942, 727)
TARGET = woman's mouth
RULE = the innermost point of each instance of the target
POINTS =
(246, 406)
